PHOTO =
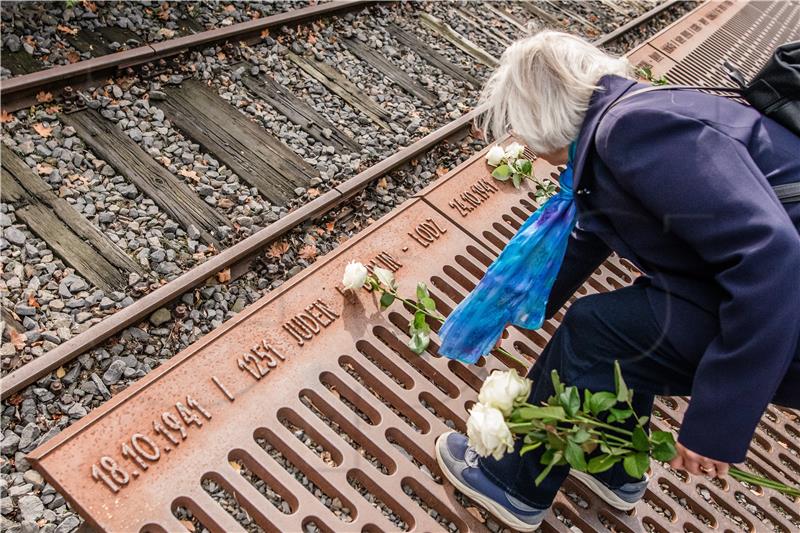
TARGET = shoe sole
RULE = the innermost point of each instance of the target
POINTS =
(606, 494)
(487, 503)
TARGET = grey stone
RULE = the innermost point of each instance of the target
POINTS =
(114, 372)
(14, 235)
(10, 443)
(31, 507)
(161, 316)
(69, 524)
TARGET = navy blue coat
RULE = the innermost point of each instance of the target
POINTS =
(678, 182)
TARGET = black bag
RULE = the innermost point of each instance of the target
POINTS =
(774, 91)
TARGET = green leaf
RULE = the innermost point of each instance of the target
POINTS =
(419, 341)
(579, 436)
(642, 421)
(663, 446)
(618, 415)
(533, 412)
(636, 464)
(386, 300)
(555, 441)
(516, 178)
(640, 440)
(529, 447)
(422, 291)
(619, 383)
(420, 324)
(587, 399)
(570, 400)
(428, 303)
(503, 172)
(551, 463)
(524, 166)
(557, 385)
(601, 463)
(575, 457)
(602, 401)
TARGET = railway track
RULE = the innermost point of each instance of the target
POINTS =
(310, 153)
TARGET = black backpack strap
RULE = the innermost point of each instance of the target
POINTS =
(788, 192)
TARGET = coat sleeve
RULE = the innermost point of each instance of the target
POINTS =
(585, 252)
(707, 191)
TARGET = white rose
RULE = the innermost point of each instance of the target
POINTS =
(495, 155)
(502, 390)
(384, 276)
(355, 274)
(513, 151)
(487, 431)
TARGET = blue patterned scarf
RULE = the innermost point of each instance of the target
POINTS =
(516, 285)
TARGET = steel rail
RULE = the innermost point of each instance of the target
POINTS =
(18, 92)
(241, 251)
(638, 21)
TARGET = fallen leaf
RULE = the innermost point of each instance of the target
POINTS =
(441, 171)
(66, 29)
(221, 56)
(382, 183)
(15, 400)
(53, 109)
(17, 338)
(43, 97)
(164, 15)
(277, 249)
(224, 276)
(309, 251)
(225, 203)
(44, 168)
(166, 161)
(265, 33)
(91, 6)
(32, 300)
(312, 39)
(236, 466)
(61, 372)
(42, 130)
(166, 32)
(329, 227)
(191, 174)
(189, 525)
(312, 192)
(230, 8)
(319, 231)
(6, 117)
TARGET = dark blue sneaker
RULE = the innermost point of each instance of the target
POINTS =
(624, 498)
(459, 464)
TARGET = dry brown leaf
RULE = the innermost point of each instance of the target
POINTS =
(43, 97)
(236, 466)
(441, 171)
(53, 109)
(329, 227)
(91, 6)
(309, 251)
(191, 174)
(42, 130)
(312, 39)
(17, 338)
(164, 15)
(44, 168)
(189, 525)
(167, 33)
(66, 29)
(277, 249)
(230, 8)
(225, 203)
(166, 161)
(224, 276)
(6, 117)
(61, 372)
(221, 56)
(312, 192)
(32, 300)
(265, 33)
(319, 231)
(382, 183)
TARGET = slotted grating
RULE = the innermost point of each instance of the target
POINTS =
(307, 408)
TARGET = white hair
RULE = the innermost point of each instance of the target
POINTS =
(542, 88)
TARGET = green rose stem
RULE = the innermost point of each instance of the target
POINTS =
(438, 317)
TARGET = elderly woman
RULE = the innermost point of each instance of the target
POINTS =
(680, 183)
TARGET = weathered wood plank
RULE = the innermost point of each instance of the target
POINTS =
(245, 147)
(431, 56)
(171, 194)
(503, 14)
(76, 240)
(342, 87)
(483, 27)
(433, 23)
(536, 11)
(390, 70)
(286, 103)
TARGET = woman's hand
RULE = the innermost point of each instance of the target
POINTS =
(696, 464)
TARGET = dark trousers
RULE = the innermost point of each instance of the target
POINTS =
(628, 325)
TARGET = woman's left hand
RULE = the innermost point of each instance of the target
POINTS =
(696, 464)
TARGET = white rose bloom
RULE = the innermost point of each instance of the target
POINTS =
(384, 276)
(355, 274)
(495, 155)
(487, 432)
(502, 390)
(514, 151)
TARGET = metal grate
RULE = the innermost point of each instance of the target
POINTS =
(307, 408)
